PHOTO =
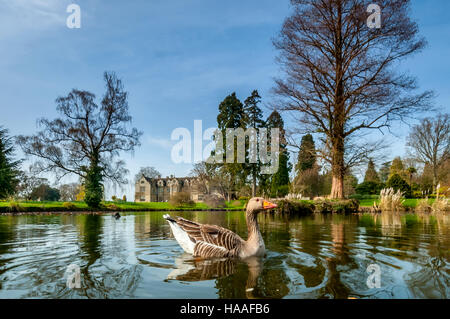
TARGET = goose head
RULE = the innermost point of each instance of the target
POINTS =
(258, 204)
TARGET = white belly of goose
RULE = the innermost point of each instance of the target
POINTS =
(211, 241)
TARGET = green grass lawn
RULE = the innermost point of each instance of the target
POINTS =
(32, 206)
(409, 202)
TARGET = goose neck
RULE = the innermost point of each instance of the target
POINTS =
(252, 225)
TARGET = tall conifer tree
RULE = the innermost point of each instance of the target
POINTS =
(371, 173)
(8, 166)
(253, 119)
(280, 180)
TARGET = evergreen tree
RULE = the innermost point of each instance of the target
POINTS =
(253, 119)
(308, 180)
(398, 168)
(306, 155)
(280, 180)
(384, 172)
(8, 167)
(253, 113)
(45, 193)
(398, 183)
(350, 184)
(411, 171)
(231, 115)
(372, 184)
(371, 173)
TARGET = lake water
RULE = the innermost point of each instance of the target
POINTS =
(321, 256)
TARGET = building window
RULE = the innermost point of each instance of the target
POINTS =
(142, 182)
(142, 189)
(142, 199)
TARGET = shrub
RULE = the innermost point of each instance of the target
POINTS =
(440, 205)
(323, 206)
(111, 207)
(369, 188)
(423, 206)
(124, 198)
(443, 190)
(214, 201)
(294, 207)
(391, 200)
(14, 206)
(181, 199)
(280, 191)
(417, 194)
(244, 198)
(337, 206)
(399, 184)
(69, 205)
(44, 192)
(236, 203)
(362, 197)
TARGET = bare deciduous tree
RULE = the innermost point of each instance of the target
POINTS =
(87, 139)
(339, 74)
(148, 171)
(429, 142)
(203, 174)
(69, 191)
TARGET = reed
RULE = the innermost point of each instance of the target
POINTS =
(390, 200)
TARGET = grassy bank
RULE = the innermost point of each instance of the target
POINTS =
(31, 206)
(308, 207)
(409, 202)
(296, 207)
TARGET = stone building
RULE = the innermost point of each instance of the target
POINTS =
(161, 189)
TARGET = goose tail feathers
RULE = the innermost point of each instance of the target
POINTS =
(180, 235)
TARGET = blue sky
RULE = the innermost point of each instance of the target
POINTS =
(177, 59)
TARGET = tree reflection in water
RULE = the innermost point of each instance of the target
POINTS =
(317, 256)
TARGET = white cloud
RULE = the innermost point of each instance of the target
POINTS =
(160, 142)
(23, 16)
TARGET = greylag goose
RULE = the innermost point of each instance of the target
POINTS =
(211, 241)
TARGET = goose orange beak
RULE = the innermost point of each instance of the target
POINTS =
(268, 205)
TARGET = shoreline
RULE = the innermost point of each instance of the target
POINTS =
(285, 207)
(361, 210)
(74, 212)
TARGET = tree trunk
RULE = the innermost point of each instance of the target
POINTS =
(254, 183)
(435, 179)
(337, 168)
(337, 187)
(339, 120)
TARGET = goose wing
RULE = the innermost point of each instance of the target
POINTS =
(215, 237)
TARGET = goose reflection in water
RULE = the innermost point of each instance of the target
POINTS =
(189, 269)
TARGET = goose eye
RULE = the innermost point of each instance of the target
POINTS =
(257, 199)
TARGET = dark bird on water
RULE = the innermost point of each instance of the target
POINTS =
(116, 215)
